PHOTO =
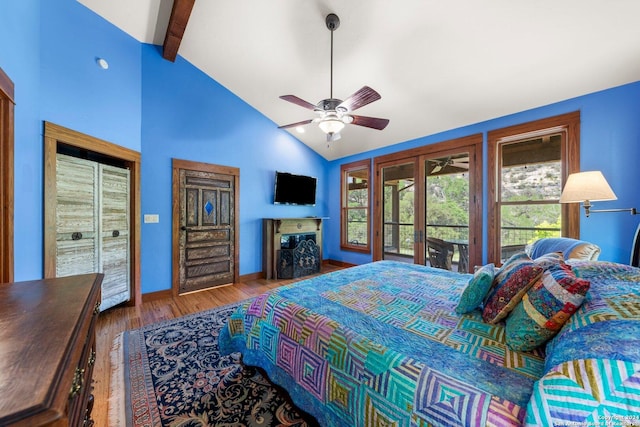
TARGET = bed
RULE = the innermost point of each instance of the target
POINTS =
(382, 344)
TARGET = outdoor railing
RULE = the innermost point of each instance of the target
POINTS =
(399, 237)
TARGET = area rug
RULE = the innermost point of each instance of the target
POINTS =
(172, 374)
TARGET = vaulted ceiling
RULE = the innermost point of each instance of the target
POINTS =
(438, 65)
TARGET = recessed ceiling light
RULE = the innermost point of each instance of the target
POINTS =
(102, 63)
(300, 129)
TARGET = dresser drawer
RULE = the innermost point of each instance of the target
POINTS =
(48, 332)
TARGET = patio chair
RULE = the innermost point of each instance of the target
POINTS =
(440, 253)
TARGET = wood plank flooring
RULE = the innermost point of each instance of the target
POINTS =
(119, 319)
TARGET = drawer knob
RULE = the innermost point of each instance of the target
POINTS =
(76, 386)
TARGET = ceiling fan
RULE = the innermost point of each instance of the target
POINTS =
(440, 164)
(333, 113)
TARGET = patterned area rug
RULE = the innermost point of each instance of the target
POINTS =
(172, 374)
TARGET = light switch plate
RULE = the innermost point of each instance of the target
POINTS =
(151, 218)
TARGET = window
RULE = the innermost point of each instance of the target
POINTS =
(355, 196)
(530, 164)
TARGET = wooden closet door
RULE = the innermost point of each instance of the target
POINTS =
(76, 216)
(92, 224)
(114, 231)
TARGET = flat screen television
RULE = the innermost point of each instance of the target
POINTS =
(293, 189)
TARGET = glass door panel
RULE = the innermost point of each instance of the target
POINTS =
(398, 212)
(446, 211)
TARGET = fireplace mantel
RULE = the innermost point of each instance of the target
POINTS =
(274, 228)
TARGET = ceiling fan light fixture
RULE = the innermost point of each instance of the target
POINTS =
(331, 124)
(333, 113)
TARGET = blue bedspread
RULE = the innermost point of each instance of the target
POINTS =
(381, 344)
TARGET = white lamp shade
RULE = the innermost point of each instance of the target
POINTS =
(586, 186)
(331, 125)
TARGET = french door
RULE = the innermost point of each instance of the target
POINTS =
(399, 228)
(428, 206)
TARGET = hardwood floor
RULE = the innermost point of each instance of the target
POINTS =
(119, 319)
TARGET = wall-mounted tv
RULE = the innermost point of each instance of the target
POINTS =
(294, 189)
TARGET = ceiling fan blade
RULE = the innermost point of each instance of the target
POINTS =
(462, 165)
(292, 125)
(362, 97)
(370, 122)
(298, 101)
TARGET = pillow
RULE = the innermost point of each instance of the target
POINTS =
(545, 308)
(511, 282)
(476, 289)
(549, 260)
(570, 248)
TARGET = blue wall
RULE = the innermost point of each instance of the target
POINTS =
(49, 49)
(164, 110)
(20, 59)
(74, 91)
(610, 142)
(186, 115)
(172, 110)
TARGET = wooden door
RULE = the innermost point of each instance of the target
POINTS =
(206, 225)
(76, 216)
(59, 140)
(114, 235)
(7, 106)
(92, 224)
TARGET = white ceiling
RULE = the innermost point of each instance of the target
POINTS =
(438, 64)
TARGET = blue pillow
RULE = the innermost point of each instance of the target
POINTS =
(476, 289)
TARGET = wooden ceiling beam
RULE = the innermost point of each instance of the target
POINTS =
(180, 13)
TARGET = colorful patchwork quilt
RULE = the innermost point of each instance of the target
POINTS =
(592, 369)
(381, 344)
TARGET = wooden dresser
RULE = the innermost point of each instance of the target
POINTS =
(47, 350)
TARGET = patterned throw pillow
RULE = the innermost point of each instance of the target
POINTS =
(545, 308)
(515, 277)
(476, 289)
(549, 260)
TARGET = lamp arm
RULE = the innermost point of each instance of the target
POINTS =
(632, 210)
(588, 210)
